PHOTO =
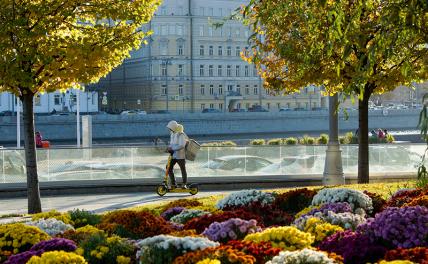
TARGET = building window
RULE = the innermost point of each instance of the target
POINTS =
(201, 70)
(211, 106)
(219, 70)
(220, 106)
(201, 50)
(180, 89)
(163, 10)
(238, 105)
(238, 88)
(220, 12)
(180, 49)
(171, 29)
(247, 90)
(256, 89)
(210, 31)
(201, 31)
(247, 105)
(164, 30)
(246, 50)
(246, 71)
(211, 50)
(210, 11)
(238, 51)
(37, 101)
(288, 105)
(201, 11)
(314, 105)
(57, 99)
(278, 105)
(254, 71)
(307, 105)
(163, 48)
(268, 105)
(163, 89)
(180, 11)
(202, 106)
(211, 70)
(211, 89)
(203, 89)
(229, 32)
(220, 89)
(179, 30)
(237, 70)
(220, 51)
(163, 70)
(180, 69)
(298, 104)
(229, 51)
(229, 71)
(230, 88)
(237, 32)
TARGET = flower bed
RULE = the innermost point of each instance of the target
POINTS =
(332, 225)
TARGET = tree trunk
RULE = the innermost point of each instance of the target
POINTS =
(33, 192)
(363, 136)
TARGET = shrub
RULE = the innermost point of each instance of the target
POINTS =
(231, 229)
(186, 215)
(284, 237)
(16, 238)
(402, 197)
(356, 199)
(377, 201)
(59, 257)
(307, 140)
(416, 255)
(164, 248)
(304, 256)
(132, 224)
(275, 141)
(50, 226)
(220, 144)
(262, 251)
(342, 140)
(81, 233)
(271, 216)
(320, 229)
(421, 200)
(295, 200)
(82, 218)
(225, 254)
(404, 227)
(64, 217)
(186, 203)
(291, 141)
(323, 139)
(202, 222)
(243, 198)
(354, 247)
(100, 249)
(258, 142)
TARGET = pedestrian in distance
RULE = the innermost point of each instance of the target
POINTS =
(380, 134)
(39, 139)
(177, 148)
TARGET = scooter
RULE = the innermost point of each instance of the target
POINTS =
(163, 188)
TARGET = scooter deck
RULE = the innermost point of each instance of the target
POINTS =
(179, 190)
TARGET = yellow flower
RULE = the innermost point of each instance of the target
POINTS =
(123, 260)
(80, 251)
(94, 253)
(396, 262)
(320, 229)
(209, 261)
(57, 257)
(15, 236)
(65, 217)
(104, 249)
(99, 255)
(285, 237)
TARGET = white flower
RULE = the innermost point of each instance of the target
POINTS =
(186, 215)
(304, 256)
(356, 199)
(245, 197)
(51, 226)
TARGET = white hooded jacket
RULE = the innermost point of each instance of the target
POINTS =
(178, 140)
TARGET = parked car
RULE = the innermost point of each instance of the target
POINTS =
(237, 163)
(211, 110)
(285, 109)
(319, 109)
(257, 108)
(133, 112)
(240, 110)
(299, 109)
(162, 112)
(7, 113)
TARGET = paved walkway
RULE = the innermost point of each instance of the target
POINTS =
(98, 203)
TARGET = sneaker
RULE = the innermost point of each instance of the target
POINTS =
(185, 186)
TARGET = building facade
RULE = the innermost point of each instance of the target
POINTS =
(189, 64)
(55, 102)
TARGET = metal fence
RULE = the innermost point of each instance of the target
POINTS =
(70, 164)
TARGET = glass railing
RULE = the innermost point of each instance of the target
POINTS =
(149, 162)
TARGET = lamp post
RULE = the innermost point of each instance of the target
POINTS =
(333, 170)
(78, 117)
(166, 62)
(18, 123)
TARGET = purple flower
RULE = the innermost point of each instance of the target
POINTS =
(333, 207)
(404, 227)
(23, 257)
(169, 213)
(55, 244)
(232, 229)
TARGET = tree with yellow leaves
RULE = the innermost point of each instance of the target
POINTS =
(358, 47)
(48, 45)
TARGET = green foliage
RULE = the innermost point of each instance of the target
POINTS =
(307, 140)
(342, 140)
(258, 142)
(64, 217)
(275, 141)
(323, 139)
(82, 218)
(220, 144)
(291, 141)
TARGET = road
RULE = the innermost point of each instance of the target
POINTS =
(97, 203)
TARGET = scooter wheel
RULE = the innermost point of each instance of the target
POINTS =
(161, 190)
(194, 190)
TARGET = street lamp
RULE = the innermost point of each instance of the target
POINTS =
(310, 90)
(166, 62)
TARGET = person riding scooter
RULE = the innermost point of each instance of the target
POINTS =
(176, 148)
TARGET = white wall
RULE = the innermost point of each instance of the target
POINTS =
(46, 103)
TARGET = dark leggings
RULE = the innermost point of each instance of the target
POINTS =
(182, 164)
